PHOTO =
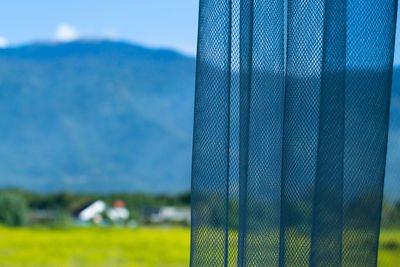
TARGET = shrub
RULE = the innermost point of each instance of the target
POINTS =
(13, 209)
(62, 219)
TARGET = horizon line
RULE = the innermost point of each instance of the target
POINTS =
(99, 39)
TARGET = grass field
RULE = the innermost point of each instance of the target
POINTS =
(121, 247)
(94, 247)
(389, 248)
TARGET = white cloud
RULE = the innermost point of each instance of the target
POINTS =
(3, 42)
(66, 33)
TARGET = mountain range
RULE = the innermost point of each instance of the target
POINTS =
(95, 116)
(102, 116)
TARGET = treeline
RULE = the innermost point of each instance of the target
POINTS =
(70, 201)
(297, 212)
(16, 204)
(391, 214)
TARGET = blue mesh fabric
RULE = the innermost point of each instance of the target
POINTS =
(290, 131)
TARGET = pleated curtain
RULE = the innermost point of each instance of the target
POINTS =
(290, 131)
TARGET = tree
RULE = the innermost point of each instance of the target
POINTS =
(13, 208)
(62, 219)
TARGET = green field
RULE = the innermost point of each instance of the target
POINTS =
(94, 247)
(121, 247)
(389, 248)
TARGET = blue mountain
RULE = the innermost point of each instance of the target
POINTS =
(95, 116)
(392, 179)
(101, 116)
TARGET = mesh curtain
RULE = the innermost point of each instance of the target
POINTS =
(290, 131)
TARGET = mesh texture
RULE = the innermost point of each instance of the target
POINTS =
(290, 131)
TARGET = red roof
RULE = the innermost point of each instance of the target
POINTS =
(119, 204)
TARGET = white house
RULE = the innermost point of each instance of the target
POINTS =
(91, 211)
(118, 212)
(171, 214)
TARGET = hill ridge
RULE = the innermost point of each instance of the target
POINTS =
(98, 116)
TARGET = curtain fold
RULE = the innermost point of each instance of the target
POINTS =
(290, 131)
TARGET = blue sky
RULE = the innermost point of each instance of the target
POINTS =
(157, 23)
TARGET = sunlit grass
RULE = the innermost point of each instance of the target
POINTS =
(94, 247)
(123, 247)
(389, 248)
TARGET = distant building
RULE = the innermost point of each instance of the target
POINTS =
(92, 211)
(41, 216)
(171, 214)
(118, 212)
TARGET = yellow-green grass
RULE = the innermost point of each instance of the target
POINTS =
(94, 247)
(389, 248)
(123, 247)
